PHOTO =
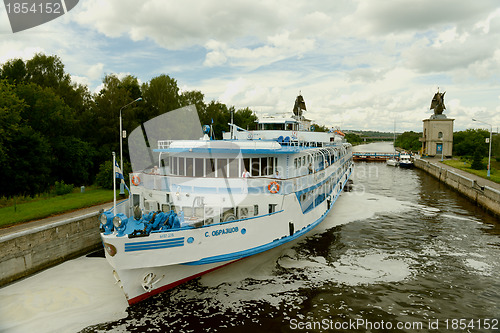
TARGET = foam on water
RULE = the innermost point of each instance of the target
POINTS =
(66, 298)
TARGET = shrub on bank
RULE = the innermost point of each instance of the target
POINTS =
(61, 188)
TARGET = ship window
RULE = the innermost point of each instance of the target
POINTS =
(222, 167)
(210, 167)
(269, 168)
(255, 210)
(189, 167)
(174, 166)
(181, 166)
(198, 167)
(246, 164)
(264, 170)
(272, 208)
(255, 167)
(295, 163)
(136, 199)
(234, 168)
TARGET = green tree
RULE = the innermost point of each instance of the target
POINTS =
(477, 162)
(466, 143)
(106, 115)
(161, 95)
(14, 71)
(320, 128)
(353, 138)
(197, 98)
(245, 118)
(221, 115)
(409, 141)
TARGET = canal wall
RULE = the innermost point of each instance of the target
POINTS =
(483, 195)
(41, 245)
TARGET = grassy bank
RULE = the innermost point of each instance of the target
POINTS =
(465, 166)
(22, 210)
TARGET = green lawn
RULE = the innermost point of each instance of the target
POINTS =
(45, 206)
(464, 165)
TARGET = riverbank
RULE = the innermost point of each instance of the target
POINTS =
(483, 192)
(30, 247)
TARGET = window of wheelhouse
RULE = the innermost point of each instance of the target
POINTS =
(234, 168)
(174, 165)
(255, 172)
(263, 166)
(246, 164)
(198, 167)
(209, 167)
(182, 167)
(222, 168)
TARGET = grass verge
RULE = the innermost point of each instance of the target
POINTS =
(48, 206)
(465, 166)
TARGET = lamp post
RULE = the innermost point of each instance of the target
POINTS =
(121, 141)
(489, 152)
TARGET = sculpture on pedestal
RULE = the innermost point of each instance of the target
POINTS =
(437, 104)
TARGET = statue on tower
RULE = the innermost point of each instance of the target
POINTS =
(437, 105)
(300, 106)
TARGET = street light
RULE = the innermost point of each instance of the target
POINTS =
(489, 153)
(121, 141)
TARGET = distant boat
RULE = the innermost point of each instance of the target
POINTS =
(392, 161)
(405, 161)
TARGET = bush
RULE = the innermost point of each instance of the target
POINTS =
(61, 188)
(477, 162)
(104, 177)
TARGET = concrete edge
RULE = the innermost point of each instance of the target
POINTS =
(54, 224)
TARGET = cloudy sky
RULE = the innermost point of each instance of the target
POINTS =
(359, 64)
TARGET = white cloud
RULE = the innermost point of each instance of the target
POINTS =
(357, 62)
(276, 48)
(95, 71)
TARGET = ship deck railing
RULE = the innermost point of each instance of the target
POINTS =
(235, 185)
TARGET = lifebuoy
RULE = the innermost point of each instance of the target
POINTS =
(136, 180)
(273, 187)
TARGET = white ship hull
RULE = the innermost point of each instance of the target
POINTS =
(146, 266)
(214, 202)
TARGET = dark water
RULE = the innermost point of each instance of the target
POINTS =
(409, 252)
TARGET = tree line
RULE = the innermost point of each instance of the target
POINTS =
(53, 130)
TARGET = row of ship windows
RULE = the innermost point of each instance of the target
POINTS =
(327, 187)
(222, 167)
(326, 155)
(229, 167)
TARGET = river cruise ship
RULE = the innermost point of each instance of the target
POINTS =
(196, 205)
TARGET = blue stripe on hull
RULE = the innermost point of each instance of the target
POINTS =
(268, 246)
(154, 245)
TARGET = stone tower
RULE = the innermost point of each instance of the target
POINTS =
(438, 130)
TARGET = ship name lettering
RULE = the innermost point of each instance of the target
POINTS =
(224, 231)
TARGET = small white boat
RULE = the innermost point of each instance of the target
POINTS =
(392, 162)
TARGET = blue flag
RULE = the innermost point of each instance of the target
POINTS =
(119, 174)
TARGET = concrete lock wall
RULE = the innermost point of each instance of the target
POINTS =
(484, 196)
(31, 250)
